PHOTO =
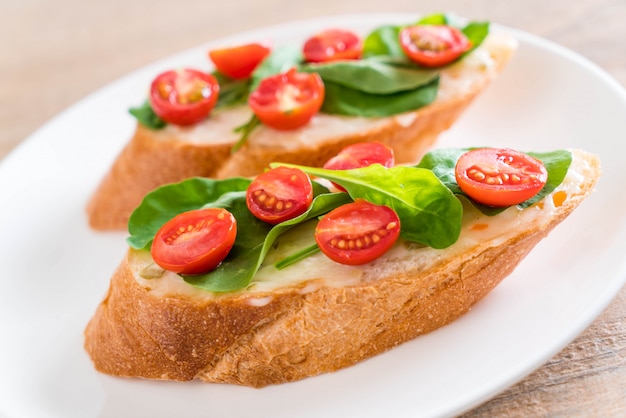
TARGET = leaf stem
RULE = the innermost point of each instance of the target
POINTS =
(298, 256)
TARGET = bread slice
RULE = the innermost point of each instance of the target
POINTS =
(315, 316)
(153, 158)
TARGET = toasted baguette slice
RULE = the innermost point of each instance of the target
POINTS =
(153, 158)
(315, 316)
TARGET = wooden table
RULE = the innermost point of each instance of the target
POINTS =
(56, 52)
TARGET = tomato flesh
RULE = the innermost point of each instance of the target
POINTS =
(361, 154)
(499, 176)
(358, 232)
(332, 45)
(433, 45)
(183, 97)
(288, 100)
(279, 194)
(195, 242)
(240, 61)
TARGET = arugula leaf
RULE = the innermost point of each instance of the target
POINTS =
(429, 213)
(146, 116)
(253, 243)
(442, 163)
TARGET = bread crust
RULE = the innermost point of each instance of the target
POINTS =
(146, 162)
(153, 158)
(299, 333)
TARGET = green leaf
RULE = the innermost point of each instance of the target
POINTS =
(165, 202)
(232, 92)
(254, 237)
(373, 76)
(434, 19)
(146, 116)
(476, 32)
(346, 101)
(253, 243)
(383, 41)
(557, 163)
(429, 213)
(442, 163)
(278, 61)
(238, 268)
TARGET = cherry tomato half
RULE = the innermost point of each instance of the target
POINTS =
(240, 61)
(358, 232)
(433, 45)
(500, 177)
(332, 45)
(288, 100)
(195, 242)
(279, 194)
(183, 97)
(361, 154)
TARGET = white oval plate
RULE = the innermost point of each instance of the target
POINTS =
(55, 270)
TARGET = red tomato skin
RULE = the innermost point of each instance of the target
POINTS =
(357, 233)
(175, 108)
(240, 61)
(361, 154)
(332, 45)
(206, 239)
(279, 194)
(303, 93)
(440, 44)
(502, 166)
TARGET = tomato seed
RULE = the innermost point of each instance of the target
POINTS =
(475, 174)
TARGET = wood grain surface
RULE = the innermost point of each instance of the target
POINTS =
(55, 52)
